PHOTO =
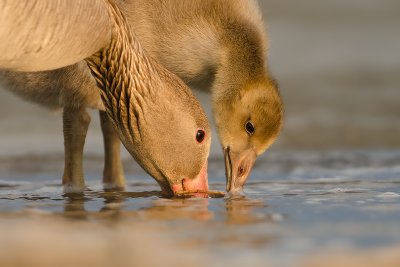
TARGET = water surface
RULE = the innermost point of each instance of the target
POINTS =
(298, 205)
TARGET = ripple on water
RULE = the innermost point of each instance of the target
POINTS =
(290, 214)
(388, 195)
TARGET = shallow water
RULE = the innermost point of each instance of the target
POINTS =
(298, 205)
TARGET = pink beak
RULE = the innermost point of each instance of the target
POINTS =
(197, 185)
(238, 166)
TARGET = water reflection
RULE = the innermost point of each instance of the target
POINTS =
(156, 208)
(209, 217)
(78, 205)
(242, 210)
(74, 203)
(234, 210)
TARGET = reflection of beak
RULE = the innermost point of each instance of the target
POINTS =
(238, 166)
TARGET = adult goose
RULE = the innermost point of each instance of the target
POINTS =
(153, 112)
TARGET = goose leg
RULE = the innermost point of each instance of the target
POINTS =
(113, 173)
(75, 125)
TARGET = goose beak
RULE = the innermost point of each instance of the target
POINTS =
(238, 166)
(197, 186)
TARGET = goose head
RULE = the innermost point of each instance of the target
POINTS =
(248, 121)
(170, 138)
(156, 116)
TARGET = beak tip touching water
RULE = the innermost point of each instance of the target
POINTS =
(238, 167)
(199, 184)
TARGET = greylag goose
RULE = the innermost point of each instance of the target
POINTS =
(153, 112)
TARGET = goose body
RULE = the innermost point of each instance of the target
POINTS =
(214, 45)
(139, 101)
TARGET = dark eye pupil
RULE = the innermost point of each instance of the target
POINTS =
(249, 128)
(200, 136)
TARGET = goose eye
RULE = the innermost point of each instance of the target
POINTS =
(249, 128)
(200, 136)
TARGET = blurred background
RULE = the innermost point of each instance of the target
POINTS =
(338, 66)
